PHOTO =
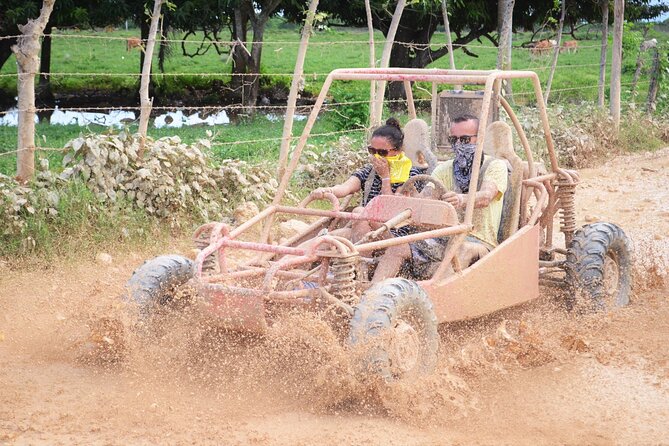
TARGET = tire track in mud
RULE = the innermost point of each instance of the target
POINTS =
(528, 375)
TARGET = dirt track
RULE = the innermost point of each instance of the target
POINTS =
(600, 379)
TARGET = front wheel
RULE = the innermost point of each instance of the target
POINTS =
(154, 285)
(599, 267)
(396, 325)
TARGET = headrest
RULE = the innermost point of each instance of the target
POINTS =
(499, 141)
(417, 142)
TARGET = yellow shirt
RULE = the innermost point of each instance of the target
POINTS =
(485, 220)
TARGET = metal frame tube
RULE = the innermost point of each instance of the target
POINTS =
(443, 232)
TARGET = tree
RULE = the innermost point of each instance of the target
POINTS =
(27, 50)
(246, 62)
(213, 17)
(470, 20)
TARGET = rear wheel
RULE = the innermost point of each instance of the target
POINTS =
(396, 325)
(599, 267)
(154, 285)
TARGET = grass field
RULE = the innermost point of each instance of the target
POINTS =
(102, 63)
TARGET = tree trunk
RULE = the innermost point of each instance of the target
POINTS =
(556, 52)
(616, 60)
(639, 66)
(239, 51)
(144, 29)
(44, 96)
(602, 58)
(399, 57)
(249, 71)
(654, 83)
(505, 11)
(252, 86)
(145, 101)
(27, 59)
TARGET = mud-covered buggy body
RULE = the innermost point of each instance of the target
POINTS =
(399, 316)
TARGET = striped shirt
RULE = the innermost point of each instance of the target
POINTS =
(363, 173)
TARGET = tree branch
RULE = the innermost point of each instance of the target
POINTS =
(491, 38)
(432, 55)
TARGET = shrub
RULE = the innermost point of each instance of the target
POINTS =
(106, 190)
(353, 113)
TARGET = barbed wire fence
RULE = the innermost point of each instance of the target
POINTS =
(536, 61)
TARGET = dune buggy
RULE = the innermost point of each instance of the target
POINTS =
(398, 317)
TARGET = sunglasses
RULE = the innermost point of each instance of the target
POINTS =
(464, 139)
(380, 152)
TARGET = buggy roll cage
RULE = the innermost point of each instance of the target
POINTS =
(218, 236)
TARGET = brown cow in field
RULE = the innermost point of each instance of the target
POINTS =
(569, 46)
(541, 48)
(133, 42)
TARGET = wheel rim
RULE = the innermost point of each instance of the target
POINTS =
(405, 349)
(611, 279)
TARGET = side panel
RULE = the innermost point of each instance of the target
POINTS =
(507, 276)
(231, 310)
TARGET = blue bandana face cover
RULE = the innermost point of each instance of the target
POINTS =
(462, 164)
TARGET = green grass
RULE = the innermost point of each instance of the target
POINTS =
(335, 48)
(108, 65)
(81, 224)
(253, 129)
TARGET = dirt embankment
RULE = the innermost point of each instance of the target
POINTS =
(530, 375)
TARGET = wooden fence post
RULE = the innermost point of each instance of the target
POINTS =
(655, 74)
(556, 52)
(616, 61)
(505, 25)
(372, 61)
(604, 5)
(385, 61)
(294, 87)
(27, 51)
(145, 101)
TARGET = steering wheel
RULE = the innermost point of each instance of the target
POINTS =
(327, 196)
(409, 187)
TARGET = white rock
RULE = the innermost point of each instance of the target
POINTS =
(289, 228)
(103, 258)
(245, 211)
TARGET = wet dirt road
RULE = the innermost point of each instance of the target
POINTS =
(601, 379)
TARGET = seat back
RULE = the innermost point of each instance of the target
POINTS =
(499, 143)
(418, 144)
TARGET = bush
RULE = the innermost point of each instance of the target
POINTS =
(106, 190)
(330, 166)
(583, 134)
(353, 113)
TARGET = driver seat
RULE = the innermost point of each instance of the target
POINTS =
(499, 143)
